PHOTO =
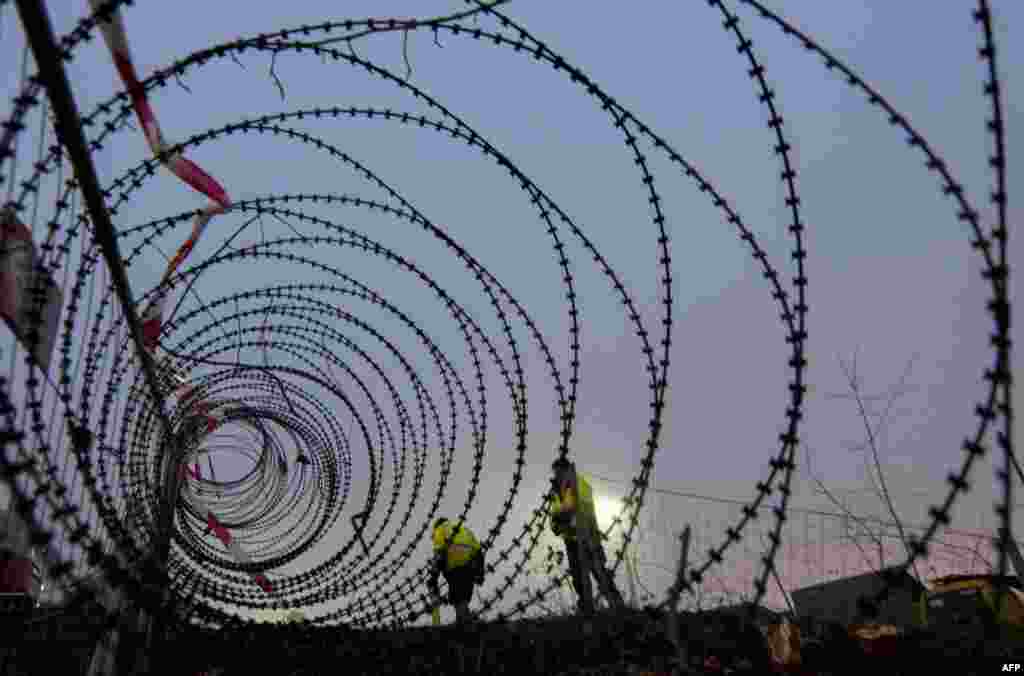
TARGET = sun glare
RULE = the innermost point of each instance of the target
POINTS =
(606, 508)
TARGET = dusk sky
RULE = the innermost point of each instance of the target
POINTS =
(892, 277)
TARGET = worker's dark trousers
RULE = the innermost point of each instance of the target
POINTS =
(586, 557)
(461, 582)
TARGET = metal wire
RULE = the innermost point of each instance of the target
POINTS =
(281, 415)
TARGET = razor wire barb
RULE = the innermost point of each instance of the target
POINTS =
(269, 408)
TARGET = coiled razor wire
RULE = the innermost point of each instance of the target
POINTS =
(264, 409)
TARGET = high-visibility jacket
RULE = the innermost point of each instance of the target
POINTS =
(575, 499)
(463, 547)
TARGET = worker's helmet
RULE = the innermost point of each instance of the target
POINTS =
(562, 464)
(440, 521)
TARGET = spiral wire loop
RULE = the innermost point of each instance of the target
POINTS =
(86, 444)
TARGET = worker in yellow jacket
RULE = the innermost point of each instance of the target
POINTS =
(574, 519)
(459, 557)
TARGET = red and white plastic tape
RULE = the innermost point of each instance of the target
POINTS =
(116, 38)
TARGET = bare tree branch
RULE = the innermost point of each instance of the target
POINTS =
(979, 555)
(181, 83)
(842, 507)
(853, 381)
(405, 54)
(273, 74)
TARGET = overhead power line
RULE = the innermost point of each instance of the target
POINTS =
(790, 507)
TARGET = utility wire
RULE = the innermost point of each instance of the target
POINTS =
(791, 508)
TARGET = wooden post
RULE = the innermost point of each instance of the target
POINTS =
(672, 618)
(68, 126)
(1016, 559)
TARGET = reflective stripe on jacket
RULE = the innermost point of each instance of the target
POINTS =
(462, 548)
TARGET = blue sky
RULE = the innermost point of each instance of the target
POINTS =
(891, 273)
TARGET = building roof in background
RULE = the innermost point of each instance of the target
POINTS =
(837, 600)
(894, 575)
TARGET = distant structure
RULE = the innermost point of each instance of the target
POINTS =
(837, 600)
